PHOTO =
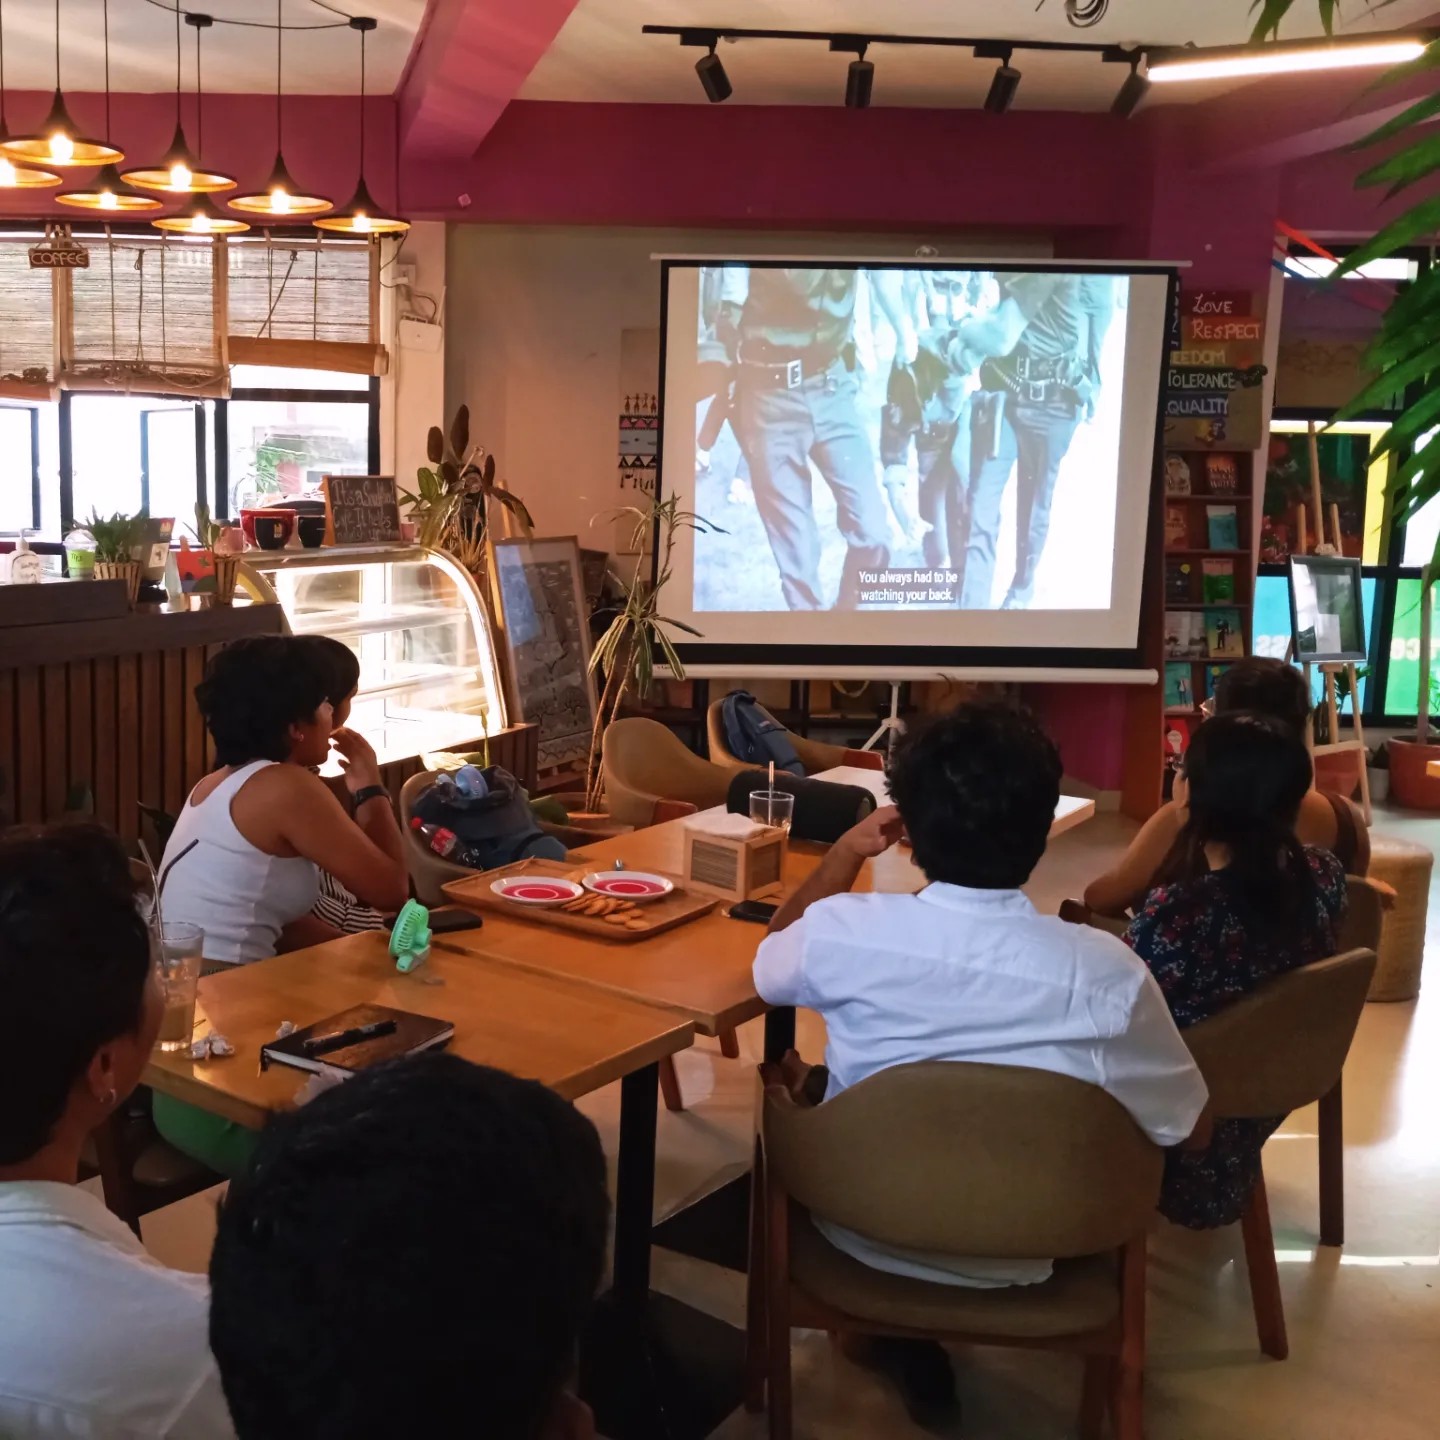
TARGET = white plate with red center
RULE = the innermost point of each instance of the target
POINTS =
(526, 890)
(636, 886)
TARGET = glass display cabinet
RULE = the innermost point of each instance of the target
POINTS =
(415, 619)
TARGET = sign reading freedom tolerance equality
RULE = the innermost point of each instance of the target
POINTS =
(1212, 386)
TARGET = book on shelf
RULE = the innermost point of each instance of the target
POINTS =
(1177, 528)
(1222, 474)
(1177, 741)
(1184, 635)
(1212, 675)
(1177, 475)
(1217, 580)
(1223, 636)
(1179, 692)
(1177, 582)
(1223, 523)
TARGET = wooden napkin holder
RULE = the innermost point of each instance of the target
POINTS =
(735, 869)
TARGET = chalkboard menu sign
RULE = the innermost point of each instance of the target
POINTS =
(361, 510)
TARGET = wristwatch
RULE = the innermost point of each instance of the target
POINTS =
(370, 792)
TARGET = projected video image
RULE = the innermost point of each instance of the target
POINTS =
(881, 439)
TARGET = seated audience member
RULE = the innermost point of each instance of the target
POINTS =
(337, 906)
(1240, 901)
(968, 970)
(96, 1338)
(244, 858)
(1256, 686)
(413, 1253)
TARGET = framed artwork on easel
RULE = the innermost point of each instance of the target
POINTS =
(1327, 614)
(544, 622)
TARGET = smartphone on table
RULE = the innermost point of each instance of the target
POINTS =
(756, 911)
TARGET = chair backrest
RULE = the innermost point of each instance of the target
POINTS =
(717, 746)
(1283, 1045)
(962, 1159)
(644, 762)
(1364, 913)
(428, 871)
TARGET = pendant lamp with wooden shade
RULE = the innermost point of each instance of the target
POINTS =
(178, 172)
(13, 176)
(200, 215)
(280, 198)
(58, 140)
(361, 215)
(108, 192)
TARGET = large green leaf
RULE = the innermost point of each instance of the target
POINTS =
(1267, 23)
(460, 431)
(678, 624)
(1404, 168)
(434, 445)
(1419, 220)
(1407, 428)
(1427, 60)
(1393, 382)
(1422, 109)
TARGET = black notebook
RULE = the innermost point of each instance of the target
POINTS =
(316, 1048)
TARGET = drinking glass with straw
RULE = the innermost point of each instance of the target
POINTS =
(177, 949)
(772, 807)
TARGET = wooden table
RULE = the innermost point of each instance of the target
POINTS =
(701, 970)
(570, 1038)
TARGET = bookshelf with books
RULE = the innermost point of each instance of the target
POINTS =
(1209, 591)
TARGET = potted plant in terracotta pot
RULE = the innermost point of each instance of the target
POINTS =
(116, 537)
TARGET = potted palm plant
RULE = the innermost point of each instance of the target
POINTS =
(627, 652)
(116, 538)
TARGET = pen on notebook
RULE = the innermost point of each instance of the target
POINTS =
(319, 1044)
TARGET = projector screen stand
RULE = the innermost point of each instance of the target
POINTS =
(892, 725)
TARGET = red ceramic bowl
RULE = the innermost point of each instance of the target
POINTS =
(283, 518)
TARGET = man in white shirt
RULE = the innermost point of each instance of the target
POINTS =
(97, 1340)
(967, 969)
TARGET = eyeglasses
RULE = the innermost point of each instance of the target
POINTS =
(1207, 707)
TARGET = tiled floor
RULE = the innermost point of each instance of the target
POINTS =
(1364, 1323)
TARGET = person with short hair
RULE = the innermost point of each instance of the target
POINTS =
(98, 1341)
(336, 905)
(967, 970)
(1239, 900)
(1255, 686)
(414, 1252)
(243, 860)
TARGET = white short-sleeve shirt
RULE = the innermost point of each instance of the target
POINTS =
(980, 975)
(98, 1341)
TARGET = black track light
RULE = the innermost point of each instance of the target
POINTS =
(1002, 88)
(1132, 92)
(713, 78)
(859, 82)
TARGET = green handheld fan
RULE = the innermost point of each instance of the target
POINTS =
(410, 936)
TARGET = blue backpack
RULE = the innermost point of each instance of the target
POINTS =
(755, 736)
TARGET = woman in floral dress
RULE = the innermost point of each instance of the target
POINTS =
(1239, 901)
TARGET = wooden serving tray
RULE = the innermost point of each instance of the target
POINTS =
(676, 908)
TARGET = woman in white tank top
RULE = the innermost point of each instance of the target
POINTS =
(244, 858)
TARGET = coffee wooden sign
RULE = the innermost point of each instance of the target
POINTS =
(361, 510)
(59, 257)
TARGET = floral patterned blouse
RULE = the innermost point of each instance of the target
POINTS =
(1206, 953)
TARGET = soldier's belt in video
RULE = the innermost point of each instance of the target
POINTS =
(1039, 382)
(788, 371)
